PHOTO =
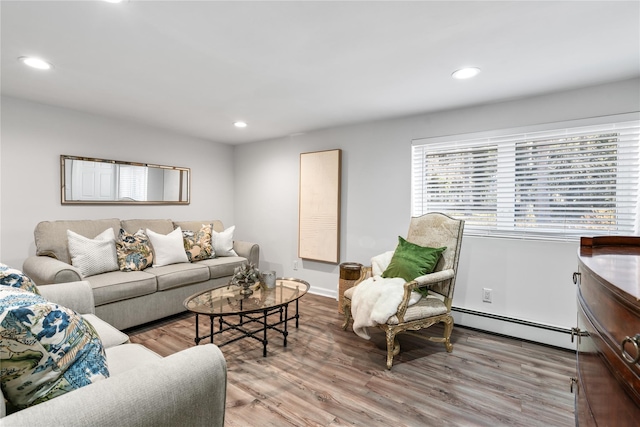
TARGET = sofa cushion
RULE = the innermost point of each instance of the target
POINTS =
(221, 267)
(51, 236)
(48, 350)
(176, 275)
(123, 358)
(162, 226)
(133, 250)
(197, 244)
(16, 279)
(167, 249)
(93, 256)
(109, 335)
(425, 307)
(120, 285)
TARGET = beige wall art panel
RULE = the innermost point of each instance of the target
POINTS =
(319, 206)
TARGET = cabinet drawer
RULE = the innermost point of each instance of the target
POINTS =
(600, 395)
(617, 319)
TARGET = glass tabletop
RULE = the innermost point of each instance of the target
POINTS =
(228, 300)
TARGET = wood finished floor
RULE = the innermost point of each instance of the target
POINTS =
(330, 377)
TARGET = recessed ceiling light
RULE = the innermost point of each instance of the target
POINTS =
(466, 73)
(38, 63)
(240, 124)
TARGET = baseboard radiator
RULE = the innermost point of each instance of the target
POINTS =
(512, 327)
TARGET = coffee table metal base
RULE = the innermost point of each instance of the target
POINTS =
(259, 316)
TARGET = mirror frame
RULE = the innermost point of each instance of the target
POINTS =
(183, 170)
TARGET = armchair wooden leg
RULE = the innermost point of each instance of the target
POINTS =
(448, 328)
(393, 347)
(346, 308)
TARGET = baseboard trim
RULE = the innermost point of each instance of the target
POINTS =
(513, 327)
(323, 292)
(526, 330)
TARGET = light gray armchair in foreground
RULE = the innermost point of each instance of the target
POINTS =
(187, 388)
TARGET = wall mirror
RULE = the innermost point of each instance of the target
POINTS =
(98, 181)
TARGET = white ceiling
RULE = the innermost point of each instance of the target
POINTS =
(294, 66)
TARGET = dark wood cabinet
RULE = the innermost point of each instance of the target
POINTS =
(608, 332)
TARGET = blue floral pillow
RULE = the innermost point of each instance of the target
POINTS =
(47, 350)
(16, 279)
(134, 251)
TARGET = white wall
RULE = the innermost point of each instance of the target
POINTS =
(35, 135)
(530, 280)
(255, 187)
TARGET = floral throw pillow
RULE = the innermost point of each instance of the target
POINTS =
(134, 251)
(197, 244)
(16, 279)
(48, 350)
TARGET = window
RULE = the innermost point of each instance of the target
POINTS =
(552, 184)
(133, 183)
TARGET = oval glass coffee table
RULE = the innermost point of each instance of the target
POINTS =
(256, 313)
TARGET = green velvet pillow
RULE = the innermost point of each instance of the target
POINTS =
(410, 260)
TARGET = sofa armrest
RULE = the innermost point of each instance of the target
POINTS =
(248, 250)
(77, 296)
(185, 389)
(45, 270)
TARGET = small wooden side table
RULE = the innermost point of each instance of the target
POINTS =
(349, 273)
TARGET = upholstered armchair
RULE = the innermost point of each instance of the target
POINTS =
(432, 230)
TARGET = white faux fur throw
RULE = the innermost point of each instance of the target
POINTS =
(376, 299)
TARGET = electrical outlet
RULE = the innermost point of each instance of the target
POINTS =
(486, 295)
(295, 264)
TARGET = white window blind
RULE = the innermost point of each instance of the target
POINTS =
(557, 183)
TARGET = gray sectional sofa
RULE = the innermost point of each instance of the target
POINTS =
(129, 298)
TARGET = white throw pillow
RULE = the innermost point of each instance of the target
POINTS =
(167, 249)
(93, 256)
(223, 242)
(379, 263)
